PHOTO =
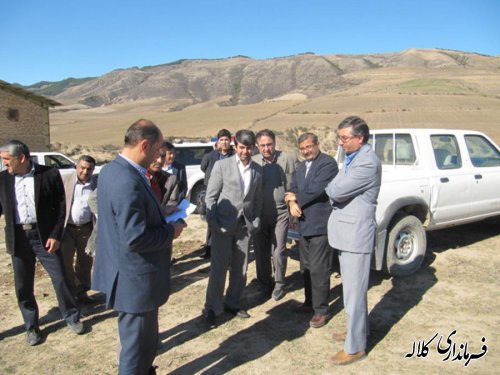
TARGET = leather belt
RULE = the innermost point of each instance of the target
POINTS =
(79, 225)
(27, 227)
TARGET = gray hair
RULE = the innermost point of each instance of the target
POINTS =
(358, 126)
(15, 148)
(313, 137)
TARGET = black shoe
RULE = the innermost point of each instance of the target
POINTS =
(210, 319)
(278, 294)
(78, 327)
(207, 253)
(33, 336)
(85, 298)
(240, 313)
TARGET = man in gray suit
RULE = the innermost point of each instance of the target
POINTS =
(352, 229)
(270, 242)
(132, 264)
(234, 206)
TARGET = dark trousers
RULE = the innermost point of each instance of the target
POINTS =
(270, 247)
(139, 340)
(77, 270)
(316, 258)
(28, 248)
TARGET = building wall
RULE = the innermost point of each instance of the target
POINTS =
(32, 125)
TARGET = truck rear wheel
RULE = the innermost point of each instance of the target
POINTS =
(406, 246)
(198, 197)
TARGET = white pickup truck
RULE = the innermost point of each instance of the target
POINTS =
(56, 160)
(431, 179)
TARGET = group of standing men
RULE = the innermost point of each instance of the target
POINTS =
(252, 198)
(248, 196)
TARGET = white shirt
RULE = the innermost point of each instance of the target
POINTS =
(80, 210)
(245, 175)
(25, 209)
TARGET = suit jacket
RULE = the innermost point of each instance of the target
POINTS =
(274, 186)
(181, 179)
(352, 226)
(69, 182)
(311, 196)
(170, 193)
(132, 262)
(208, 161)
(49, 201)
(226, 202)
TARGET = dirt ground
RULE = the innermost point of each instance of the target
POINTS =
(456, 289)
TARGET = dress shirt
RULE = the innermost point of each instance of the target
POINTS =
(308, 165)
(80, 210)
(139, 168)
(350, 157)
(25, 209)
(170, 169)
(245, 175)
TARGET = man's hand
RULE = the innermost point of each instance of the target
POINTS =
(52, 245)
(289, 196)
(178, 228)
(295, 209)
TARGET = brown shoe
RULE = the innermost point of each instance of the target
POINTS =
(342, 358)
(339, 336)
(317, 321)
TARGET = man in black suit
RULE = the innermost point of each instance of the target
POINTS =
(309, 203)
(172, 166)
(33, 201)
(223, 150)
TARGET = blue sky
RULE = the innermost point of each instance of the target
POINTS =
(54, 39)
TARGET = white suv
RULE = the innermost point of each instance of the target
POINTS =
(190, 154)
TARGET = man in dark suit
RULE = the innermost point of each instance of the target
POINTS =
(132, 264)
(223, 150)
(309, 203)
(270, 242)
(234, 206)
(352, 229)
(172, 166)
(33, 201)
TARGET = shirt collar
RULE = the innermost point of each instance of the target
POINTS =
(140, 168)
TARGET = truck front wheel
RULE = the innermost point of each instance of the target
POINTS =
(406, 246)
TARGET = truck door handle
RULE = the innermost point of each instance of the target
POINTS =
(478, 176)
(444, 179)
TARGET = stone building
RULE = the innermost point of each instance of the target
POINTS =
(24, 116)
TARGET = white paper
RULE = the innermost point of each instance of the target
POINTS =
(184, 209)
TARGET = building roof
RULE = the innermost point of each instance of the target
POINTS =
(27, 94)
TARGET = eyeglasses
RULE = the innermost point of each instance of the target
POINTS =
(306, 147)
(345, 139)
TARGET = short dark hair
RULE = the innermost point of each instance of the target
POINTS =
(15, 148)
(168, 146)
(224, 133)
(245, 137)
(306, 136)
(359, 127)
(266, 133)
(142, 129)
(88, 159)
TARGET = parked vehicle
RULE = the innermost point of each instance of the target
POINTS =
(57, 160)
(190, 154)
(431, 179)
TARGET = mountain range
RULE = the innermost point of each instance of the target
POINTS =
(243, 80)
